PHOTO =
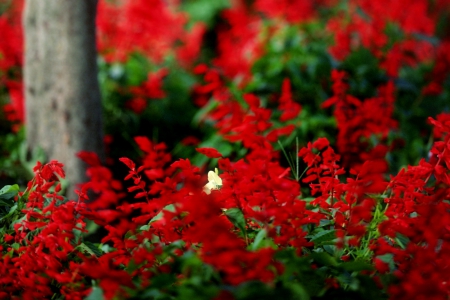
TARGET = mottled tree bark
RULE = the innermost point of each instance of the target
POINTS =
(63, 104)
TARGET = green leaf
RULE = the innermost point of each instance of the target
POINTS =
(322, 236)
(163, 280)
(402, 240)
(331, 249)
(6, 203)
(77, 235)
(324, 259)
(236, 217)
(90, 248)
(8, 192)
(10, 213)
(147, 227)
(202, 112)
(15, 246)
(169, 207)
(347, 280)
(356, 266)
(427, 38)
(21, 219)
(324, 222)
(298, 291)
(262, 234)
(135, 70)
(96, 294)
(94, 247)
(132, 266)
(204, 10)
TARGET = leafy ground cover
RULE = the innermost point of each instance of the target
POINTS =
(256, 150)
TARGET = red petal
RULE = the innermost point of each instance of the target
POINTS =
(128, 162)
(210, 152)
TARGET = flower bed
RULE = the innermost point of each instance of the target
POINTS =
(305, 155)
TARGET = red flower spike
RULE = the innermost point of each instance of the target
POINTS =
(288, 106)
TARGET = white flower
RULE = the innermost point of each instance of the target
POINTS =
(214, 182)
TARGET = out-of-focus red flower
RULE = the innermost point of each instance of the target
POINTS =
(151, 27)
(137, 105)
(290, 10)
(190, 141)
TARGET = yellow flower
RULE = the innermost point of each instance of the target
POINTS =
(214, 182)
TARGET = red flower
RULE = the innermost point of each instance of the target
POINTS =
(190, 140)
(137, 105)
(209, 152)
(288, 106)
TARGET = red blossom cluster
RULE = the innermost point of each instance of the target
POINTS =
(364, 24)
(11, 42)
(134, 26)
(42, 252)
(131, 26)
(358, 121)
(440, 69)
(258, 187)
(416, 231)
(11, 53)
(149, 89)
(257, 196)
(240, 36)
(249, 123)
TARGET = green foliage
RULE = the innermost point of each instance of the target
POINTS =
(236, 217)
(16, 163)
(96, 293)
(204, 10)
(8, 207)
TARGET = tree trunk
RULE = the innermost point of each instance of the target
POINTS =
(63, 104)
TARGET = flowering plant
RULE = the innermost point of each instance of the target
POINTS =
(359, 237)
(328, 181)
